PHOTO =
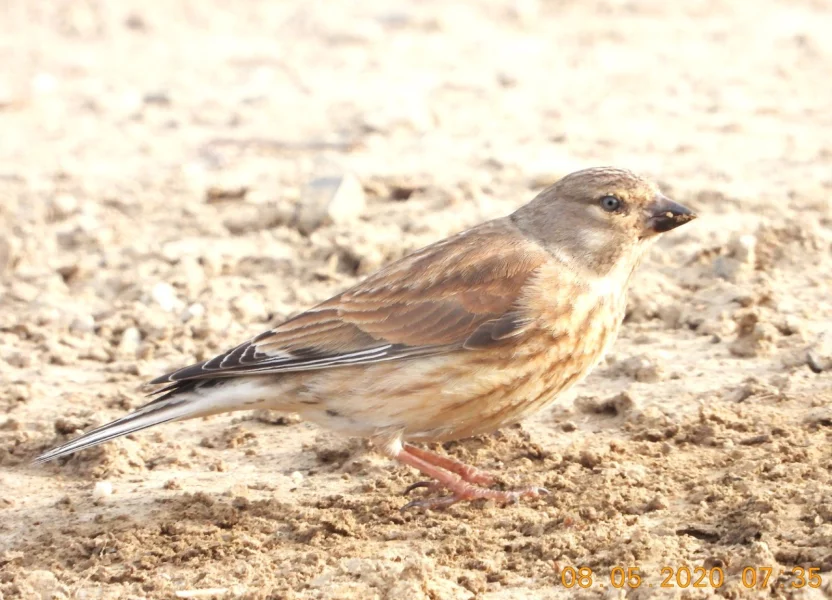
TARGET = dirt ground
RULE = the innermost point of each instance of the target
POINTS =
(154, 157)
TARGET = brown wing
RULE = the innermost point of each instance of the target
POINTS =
(459, 293)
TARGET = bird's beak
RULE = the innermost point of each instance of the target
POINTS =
(663, 214)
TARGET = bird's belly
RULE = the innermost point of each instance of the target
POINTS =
(455, 395)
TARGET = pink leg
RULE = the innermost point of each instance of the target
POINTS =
(454, 483)
(466, 472)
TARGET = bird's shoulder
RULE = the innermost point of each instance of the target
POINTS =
(494, 252)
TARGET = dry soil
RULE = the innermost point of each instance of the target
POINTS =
(154, 158)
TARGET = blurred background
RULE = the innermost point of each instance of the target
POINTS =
(175, 176)
(133, 125)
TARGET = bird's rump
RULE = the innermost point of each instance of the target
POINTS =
(458, 293)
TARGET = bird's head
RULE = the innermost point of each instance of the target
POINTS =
(600, 218)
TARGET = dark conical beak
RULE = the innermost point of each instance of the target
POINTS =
(663, 214)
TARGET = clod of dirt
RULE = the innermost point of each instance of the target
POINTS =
(274, 417)
(396, 188)
(788, 243)
(18, 392)
(615, 405)
(590, 459)
(739, 260)
(643, 368)
(71, 425)
(217, 193)
(337, 452)
(43, 585)
(230, 437)
(755, 337)
(754, 388)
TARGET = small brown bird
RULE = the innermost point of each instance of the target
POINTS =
(459, 338)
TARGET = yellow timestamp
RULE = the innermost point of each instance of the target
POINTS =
(687, 577)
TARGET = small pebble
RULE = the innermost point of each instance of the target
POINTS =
(62, 206)
(194, 311)
(82, 324)
(819, 356)
(165, 296)
(328, 200)
(131, 338)
(102, 491)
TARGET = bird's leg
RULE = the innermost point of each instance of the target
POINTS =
(466, 472)
(460, 489)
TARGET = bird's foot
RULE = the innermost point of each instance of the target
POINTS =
(465, 483)
(465, 492)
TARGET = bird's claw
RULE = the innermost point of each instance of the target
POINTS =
(430, 485)
(470, 493)
(431, 503)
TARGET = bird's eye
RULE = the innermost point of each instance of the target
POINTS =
(610, 203)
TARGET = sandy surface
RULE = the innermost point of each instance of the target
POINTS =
(153, 157)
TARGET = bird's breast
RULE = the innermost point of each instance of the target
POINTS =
(491, 389)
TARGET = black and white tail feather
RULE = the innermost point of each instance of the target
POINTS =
(177, 402)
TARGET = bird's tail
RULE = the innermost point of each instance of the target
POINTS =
(179, 401)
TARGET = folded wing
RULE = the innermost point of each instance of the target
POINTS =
(462, 292)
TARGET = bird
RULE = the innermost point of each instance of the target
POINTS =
(460, 338)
